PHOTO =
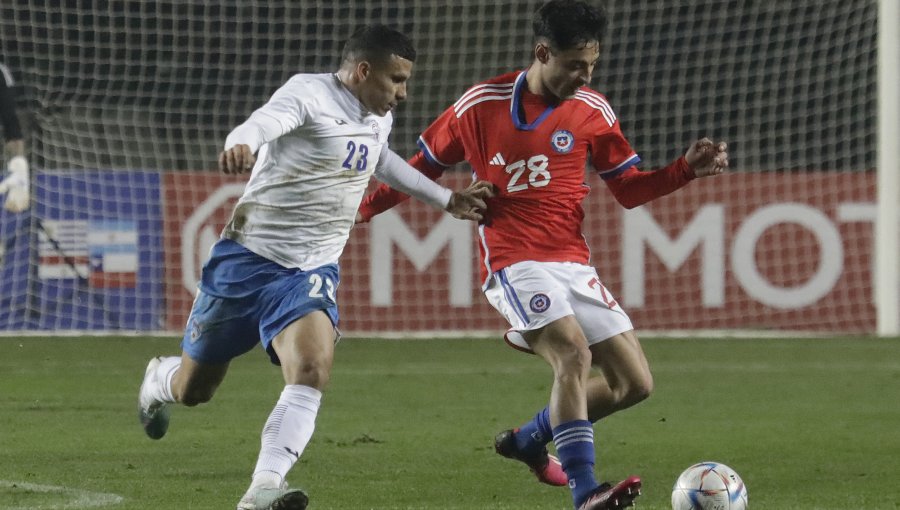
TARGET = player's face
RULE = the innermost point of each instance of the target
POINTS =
(565, 71)
(384, 85)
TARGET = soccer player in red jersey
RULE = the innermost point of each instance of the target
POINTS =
(530, 133)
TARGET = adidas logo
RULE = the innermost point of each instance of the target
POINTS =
(498, 160)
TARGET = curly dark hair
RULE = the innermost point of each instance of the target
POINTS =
(568, 24)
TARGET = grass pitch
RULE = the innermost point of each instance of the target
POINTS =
(809, 424)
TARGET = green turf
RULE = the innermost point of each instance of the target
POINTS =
(809, 424)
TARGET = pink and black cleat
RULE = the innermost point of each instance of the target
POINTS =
(545, 467)
(614, 497)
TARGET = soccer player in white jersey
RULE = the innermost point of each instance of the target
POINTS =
(531, 132)
(272, 277)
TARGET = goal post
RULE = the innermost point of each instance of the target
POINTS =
(887, 251)
(128, 103)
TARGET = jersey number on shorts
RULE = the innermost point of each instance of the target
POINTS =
(316, 291)
(605, 295)
(538, 175)
(361, 162)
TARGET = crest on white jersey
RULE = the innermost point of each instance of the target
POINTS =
(498, 160)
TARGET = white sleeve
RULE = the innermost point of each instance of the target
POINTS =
(398, 174)
(284, 112)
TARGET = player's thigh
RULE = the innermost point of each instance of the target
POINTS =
(299, 328)
(305, 349)
(623, 363)
(562, 344)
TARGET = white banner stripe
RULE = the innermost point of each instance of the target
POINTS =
(113, 237)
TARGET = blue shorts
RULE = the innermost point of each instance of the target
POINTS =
(246, 299)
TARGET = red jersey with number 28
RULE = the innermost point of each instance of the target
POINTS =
(535, 156)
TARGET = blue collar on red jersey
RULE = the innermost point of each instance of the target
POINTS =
(516, 110)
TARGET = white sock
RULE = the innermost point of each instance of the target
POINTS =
(162, 391)
(286, 434)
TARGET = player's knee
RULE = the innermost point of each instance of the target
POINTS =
(639, 389)
(574, 360)
(312, 373)
(643, 388)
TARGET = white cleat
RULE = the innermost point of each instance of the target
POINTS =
(273, 499)
(154, 415)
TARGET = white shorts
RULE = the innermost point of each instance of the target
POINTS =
(531, 295)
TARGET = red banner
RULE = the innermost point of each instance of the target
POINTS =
(755, 251)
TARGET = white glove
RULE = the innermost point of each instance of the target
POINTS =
(16, 186)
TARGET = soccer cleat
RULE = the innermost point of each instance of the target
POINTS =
(154, 415)
(615, 497)
(545, 467)
(273, 499)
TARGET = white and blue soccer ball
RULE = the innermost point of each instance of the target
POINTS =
(709, 486)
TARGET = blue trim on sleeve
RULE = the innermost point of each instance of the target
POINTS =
(625, 165)
(428, 155)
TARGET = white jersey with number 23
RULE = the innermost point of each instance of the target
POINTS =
(317, 148)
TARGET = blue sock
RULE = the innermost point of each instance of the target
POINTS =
(532, 436)
(575, 446)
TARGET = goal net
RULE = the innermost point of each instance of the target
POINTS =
(126, 105)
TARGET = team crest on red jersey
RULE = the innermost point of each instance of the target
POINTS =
(562, 141)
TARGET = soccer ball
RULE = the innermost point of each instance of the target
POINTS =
(709, 486)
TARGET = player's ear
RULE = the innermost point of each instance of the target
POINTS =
(542, 52)
(363, 68)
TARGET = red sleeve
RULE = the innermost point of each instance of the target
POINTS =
(611, 153)
(384, 197)
(634, 187)
(440, 148)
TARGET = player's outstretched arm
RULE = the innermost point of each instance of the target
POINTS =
(704, 158)
(469, 204)
(384, 197)
(707, 158)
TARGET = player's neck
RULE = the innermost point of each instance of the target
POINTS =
(536, 86)
(345, 77)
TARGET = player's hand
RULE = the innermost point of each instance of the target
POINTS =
(469, 204)
(17, 186)
(707, 158)
(237, 159)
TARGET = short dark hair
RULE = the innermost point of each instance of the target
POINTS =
(567, 24)
(376, 44)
